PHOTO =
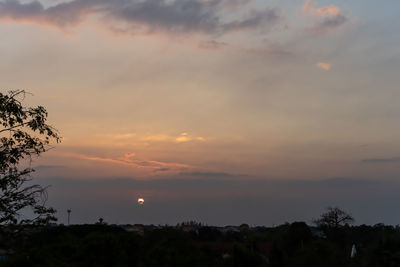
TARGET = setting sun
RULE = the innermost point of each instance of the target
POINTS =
(140, 201)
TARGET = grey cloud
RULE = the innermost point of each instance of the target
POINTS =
(207, 174)
(235, 3)
(332, 22)
(255, 19)
(178, 16)
(182, 16)
(382, 160)
(327, 24)
(272, 49)
(231, 3)
(61, 15)
(212, 45)
(162, 170)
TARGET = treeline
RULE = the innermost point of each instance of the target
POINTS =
(295, 244)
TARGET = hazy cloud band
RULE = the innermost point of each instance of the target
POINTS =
(132, 16)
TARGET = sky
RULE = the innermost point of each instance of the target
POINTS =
(221, 111)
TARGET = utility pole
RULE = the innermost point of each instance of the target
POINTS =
(69, 213)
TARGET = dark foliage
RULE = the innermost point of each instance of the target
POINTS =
(287, 245)
(24, 133)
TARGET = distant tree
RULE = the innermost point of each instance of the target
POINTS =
(244, 227)
(24, 134)
(333, 218)
(69, 215)
(298, 234)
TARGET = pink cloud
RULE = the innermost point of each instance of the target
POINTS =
(324, 66)
(130, 159)
(324, 18)
(330, 10)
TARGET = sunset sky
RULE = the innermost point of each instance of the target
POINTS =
(221, 111)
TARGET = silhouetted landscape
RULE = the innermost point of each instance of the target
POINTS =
(194, 244)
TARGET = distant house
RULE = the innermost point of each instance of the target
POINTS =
(190, 228)
(230, 228)
(318, 233)
(151, 227)
(137, 228)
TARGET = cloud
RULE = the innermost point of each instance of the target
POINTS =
(271, 49)
(177, 16)
(185, 137)
(124, 136)
(130, 159)
(382, 160)
(208, 174)
(162, 170)
(255, 19)
(188, 16)
(324, 66)
(212, 45)
(233, 3)
(62, 15)
(324, 18)
(146, 138)
(182, 138)
(157, 138)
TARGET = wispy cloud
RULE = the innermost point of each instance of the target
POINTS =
(180, 138)
(177, 16)
(62, 15)
(207, 174)
(124, 136)
(233, 3)
(324, 18)
(382, 160)
(185, 137)
(131, 160)
(324, 66)
(212, 45)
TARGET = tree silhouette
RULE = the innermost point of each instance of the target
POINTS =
(333, 218)
(24, 134)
